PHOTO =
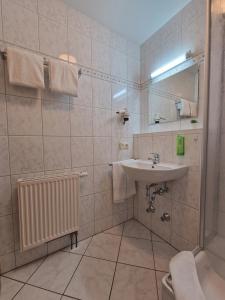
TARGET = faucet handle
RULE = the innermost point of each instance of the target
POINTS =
(155, 154)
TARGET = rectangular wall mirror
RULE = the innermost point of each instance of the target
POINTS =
(174, 95)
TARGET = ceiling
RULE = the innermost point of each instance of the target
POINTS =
(137, 20)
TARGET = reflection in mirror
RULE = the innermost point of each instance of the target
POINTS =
(174, 95)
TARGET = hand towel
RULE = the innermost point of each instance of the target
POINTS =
(194, 109)
(119, 183)
(25, 68)
(185, 109)
(185, 280)
(63, 77)
(123, 186)
(130, 187)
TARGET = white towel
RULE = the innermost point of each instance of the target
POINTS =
(63, 77)
(185, 109)
(123, 187)
(25, 68)
(185, 280)
(194, 109)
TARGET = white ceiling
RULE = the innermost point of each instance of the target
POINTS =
(137, 20)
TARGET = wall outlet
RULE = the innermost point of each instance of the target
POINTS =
(123, 146)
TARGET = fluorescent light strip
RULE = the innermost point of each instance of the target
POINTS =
(169, 66)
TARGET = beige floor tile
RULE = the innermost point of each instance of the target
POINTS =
(116, 230)
(162, 254)
(135, 229)
(159, 277)
(136, 252)
(33, 293)
(156, 238)
(132, 283)
(81, 248)
(56, 271)
(92, 280)
(105, 246)
(9, 288)
(24, 273)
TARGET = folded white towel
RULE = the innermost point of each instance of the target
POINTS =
(63, 77)
(25, 68)
(123, 186)
(185, 280)
(185, 109)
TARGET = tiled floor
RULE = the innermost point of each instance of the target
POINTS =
(126, 262)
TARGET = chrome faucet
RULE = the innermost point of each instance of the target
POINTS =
(155, 159)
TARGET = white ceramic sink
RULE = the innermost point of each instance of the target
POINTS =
(144, 170)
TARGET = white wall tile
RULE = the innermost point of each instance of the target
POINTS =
(101, 94)
(79, 22)
(102, 178)
(102, 150)
(100, 33)
(24, 116)
(56, 118)
(15, 16)
(102, 123)
(3, 116)
(50, 33)
(6, 235)
(86, 182)
(118, 64)
(103, 205)
(57, 155)
(81, 119)
(86, 209)
(79, 47)
(101, 59)
(53, 9)
(26, 154)
(82, 151)
(5, 196)
(84, 92)
(4, 156)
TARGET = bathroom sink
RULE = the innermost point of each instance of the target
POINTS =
(144, 170)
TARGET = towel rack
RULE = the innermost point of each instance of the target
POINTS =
(4, 56)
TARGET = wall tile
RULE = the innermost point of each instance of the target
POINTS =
(56, 118)
(82, 151)
(4, 156)
(102, 178)
(87, 182)
(3, 116)
(24, 116)
(163, 144)
(84, 92)
(29, 4)
(118, 42)
(86, 231)
(102, 150)
(23, 258)
(133, 70)
(57, 153)
(7, 262)
(6, 235)
(103, 224)
(79, 22)
(79, 47)
(81, 119)
(118, 64)
(15, 16)
(101, 94)
(100, 33)
(133, 50)
(50, 33)
(5, 196)
(185, 222)
(102, 124)
(86, 209)
(119, 97)
(101, 57)
(26, 154)
(103, 205)
(53, 9)
(133, 97)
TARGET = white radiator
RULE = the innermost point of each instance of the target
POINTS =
(48, 208)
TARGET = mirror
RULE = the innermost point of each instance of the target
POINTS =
(175, 94)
